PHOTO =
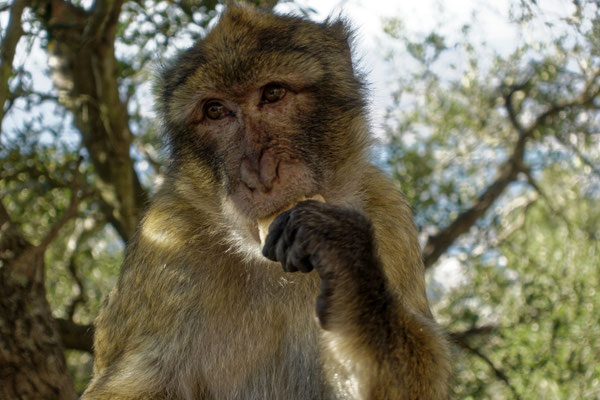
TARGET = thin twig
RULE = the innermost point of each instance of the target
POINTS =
(508, 105)
(156, 165)
(76, 197)
(81, 234)
(462, 337)
(13, 34)
(80, 298)
(516, 225)
(508, 231)
(546, 198)
(497, 371)
(595, 169)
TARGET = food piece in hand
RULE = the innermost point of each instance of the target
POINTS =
(263, 223)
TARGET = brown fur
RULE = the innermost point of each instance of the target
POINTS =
(198, 312)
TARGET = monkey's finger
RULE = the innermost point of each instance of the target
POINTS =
(275, 231)
(284, 247)
(297, 254)
(299, 260)
(282, 250)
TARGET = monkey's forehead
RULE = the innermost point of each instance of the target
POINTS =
(251, 48)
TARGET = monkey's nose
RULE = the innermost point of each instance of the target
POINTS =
(260, 175)
(268, 169)
(249, 175)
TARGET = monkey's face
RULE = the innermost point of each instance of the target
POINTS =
(256, 135)
(268, 105)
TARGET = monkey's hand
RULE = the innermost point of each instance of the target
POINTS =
(367, 327)
(338, 243)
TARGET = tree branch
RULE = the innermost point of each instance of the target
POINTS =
(590, 91)
(497, 371)
(437, 244)
(30, 341)
(101, 24)
(76, 197)
(14, 31)
(80, 297)
(80, 235)
(461, 338)
(508, 104)
(75, 336)
(595, 168)
(546, 198)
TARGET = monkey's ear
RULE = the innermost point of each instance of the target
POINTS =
(340, 30)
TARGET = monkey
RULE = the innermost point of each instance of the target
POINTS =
(265, 109)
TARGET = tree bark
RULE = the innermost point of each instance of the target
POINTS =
(75, 336)
(13, 33)
(32, 362)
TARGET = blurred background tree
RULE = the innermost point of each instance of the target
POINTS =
(498, 154)
(500, 158)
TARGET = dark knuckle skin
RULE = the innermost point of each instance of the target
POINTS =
(300, 251)
(333, 229)
(280, 250)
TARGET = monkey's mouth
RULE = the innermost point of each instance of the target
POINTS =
(255, 208)
(261, 192)
(256, 205)
(264, 223)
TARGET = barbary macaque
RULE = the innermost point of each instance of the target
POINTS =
(265, 111)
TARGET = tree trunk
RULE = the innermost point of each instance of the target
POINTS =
(32, 362)
(85, 71)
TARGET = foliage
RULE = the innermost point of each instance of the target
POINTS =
(526, 309)
(541, 293)
(83, 261)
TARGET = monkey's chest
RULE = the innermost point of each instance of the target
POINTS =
(261, 347)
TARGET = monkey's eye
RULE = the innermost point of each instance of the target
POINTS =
(272, 93)
(214, 110)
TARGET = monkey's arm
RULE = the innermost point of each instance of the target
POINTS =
(372, 305)
(142, 322)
